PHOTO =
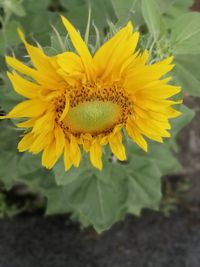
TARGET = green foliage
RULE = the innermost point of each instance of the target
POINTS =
(187, 73)
(152, 17)
(186, 34)
(92, 197)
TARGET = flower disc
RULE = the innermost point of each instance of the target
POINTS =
(92, 117)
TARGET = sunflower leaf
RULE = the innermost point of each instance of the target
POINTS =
(152, 17)
(186, 34)
(187, 73)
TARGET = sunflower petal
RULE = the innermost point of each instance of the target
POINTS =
(116, 146)
(67, 158)
(81, 48)
(136, 136)
(26, 142)
(96, 154)
(29, 108)
(75, 153)
(22, 86)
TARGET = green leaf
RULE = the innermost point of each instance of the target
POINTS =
(8, 167)
(101, 12)
(91, 199)
(179, 7)
(144, 190)
(186, 34)
(31, 172)
(9, 36)
(159, 156)
(152, 17)
(65, 178)
(186, 73)
(124, 10)
(8, 153)
(102, 198)
(165, 4)
(14, 6)
(8, 97)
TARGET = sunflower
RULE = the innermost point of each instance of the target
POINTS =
(78, 102)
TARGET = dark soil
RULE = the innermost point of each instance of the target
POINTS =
(151, 241)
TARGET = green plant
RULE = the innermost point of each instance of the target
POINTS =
(92, 197)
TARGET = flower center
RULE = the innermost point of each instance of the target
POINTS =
(94, 108)
(92, 117)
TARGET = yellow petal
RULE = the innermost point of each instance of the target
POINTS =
(66, 109)
(49, 155)
(154, 127)
(80, 47)
(60, 140)
(29, 108)
(26, 124)
(136, 136)
(96, 154)
(172, 113)
(111, 56)
(41, 141)
(17, 65)
(139, 126)
(86, 141)
(162, 92)
(122, 53)
(37, 76)
(39, 59)
(26, 142)
(75, 153)
(67, 159)
(48, 120)
(22, 86)
(141, 75)
(115, 142)
(69, 62)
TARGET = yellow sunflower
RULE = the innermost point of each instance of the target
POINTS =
(78, 102)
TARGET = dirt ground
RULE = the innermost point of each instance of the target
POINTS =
(149, 241)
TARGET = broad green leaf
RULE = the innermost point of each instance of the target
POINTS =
(8, 167)
(128, 187)
(186, 73)
(9, 37)
(9, 156)
(14, 6)
(38, 20)
(159, 155)
(31, 172)
(186, 34)
(165, 4)
(63, 177)
(179, 7)
(144, 189)
(101, 12)
(8, 97)
(90, 198)
(124, 10)
(152, 17)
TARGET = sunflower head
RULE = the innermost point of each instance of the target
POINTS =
(78, 102)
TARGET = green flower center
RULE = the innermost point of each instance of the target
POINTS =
(92, 117)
